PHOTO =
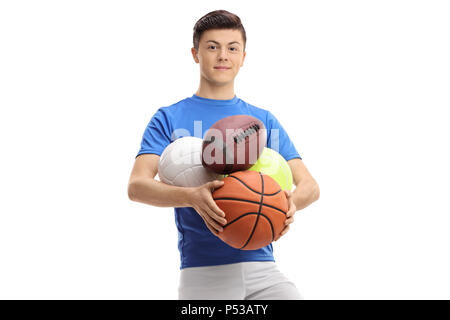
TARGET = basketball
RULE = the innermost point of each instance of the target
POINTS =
(273, 164)
(233, 144)
(255, 209)
(180, 164)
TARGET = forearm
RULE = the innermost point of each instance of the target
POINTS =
(306, 192)
(156, 193)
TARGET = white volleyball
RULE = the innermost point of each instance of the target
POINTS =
(180, 164)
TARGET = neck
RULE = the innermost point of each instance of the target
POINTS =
(209, 90)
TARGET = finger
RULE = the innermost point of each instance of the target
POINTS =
(287, 193)
(214, 207)
(278, 237)
(213, 185)
(286, 229)
(219, 214)
(211, 221)
(289, 221)
(215, 217)
(290, 213)
(208, 221)
(213, 231)
(283, 232)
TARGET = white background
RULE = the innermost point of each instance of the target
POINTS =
(362, 87)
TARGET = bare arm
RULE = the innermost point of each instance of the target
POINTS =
(307, 190)
(142, 187)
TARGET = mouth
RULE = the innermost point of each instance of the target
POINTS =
(221, 68)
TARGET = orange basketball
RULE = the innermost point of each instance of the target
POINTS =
(255, 208)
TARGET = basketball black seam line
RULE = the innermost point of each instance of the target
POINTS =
(267, 194)
(250, 213)
(259, 211)
(271, 225)
(241, 216)
(250, 201)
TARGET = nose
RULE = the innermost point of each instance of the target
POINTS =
(223, 54)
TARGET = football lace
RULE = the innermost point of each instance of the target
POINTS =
(247, 132)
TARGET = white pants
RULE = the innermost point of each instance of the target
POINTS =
(256, 280)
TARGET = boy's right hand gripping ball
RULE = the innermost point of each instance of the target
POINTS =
(255, 208)
(233, 143)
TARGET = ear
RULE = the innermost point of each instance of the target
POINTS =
(195, 55)
(243, 58)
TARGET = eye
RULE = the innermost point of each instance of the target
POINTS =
(234, 49)
(211, 46)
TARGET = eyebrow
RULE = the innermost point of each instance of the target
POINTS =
(219, 43)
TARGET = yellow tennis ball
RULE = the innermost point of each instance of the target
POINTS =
(273, 164)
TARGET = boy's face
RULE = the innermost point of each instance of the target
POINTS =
(220, 48)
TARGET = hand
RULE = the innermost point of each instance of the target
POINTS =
(202, 201)
(289, 215)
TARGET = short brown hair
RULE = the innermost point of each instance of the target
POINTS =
(219, 19)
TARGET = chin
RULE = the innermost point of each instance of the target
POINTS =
(221, 82)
